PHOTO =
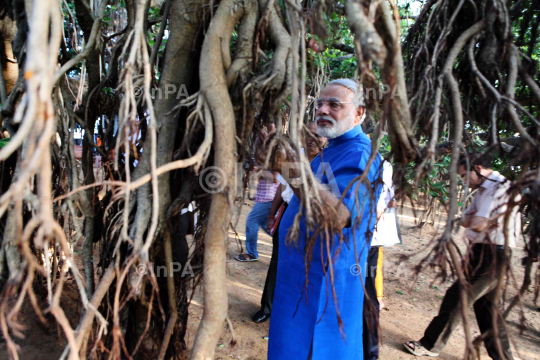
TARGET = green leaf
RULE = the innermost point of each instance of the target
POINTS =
(4, 142)
(438, 185)
(399, 292)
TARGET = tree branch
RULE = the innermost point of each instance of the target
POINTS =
(159, 36)
(214, 88)
(90, 45)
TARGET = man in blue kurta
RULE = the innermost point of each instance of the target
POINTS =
(305, 325)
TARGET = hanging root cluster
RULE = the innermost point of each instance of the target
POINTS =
(464, 71)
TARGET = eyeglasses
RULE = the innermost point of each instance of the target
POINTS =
(332, 104)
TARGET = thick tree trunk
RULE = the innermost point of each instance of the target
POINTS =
(86, 21)
(178, 74)
(214, 89)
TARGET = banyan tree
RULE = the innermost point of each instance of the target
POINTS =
(117, 114)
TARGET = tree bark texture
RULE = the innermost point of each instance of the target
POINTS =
(214, 89)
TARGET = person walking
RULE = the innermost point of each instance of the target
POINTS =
(258, 217)
(484, 221)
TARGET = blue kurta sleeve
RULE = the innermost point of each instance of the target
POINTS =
(359, 201)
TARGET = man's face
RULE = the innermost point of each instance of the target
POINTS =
(314, 142)
(336, 115)
(474, 180)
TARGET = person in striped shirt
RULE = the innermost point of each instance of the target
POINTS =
(258, 217)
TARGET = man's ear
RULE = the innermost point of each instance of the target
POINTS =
(478, 170)
(359, 113)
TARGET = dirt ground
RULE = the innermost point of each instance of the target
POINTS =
(410, 305)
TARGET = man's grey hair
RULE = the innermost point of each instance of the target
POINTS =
(358, 96)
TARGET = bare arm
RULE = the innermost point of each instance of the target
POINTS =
(477, 223)
(466, 219)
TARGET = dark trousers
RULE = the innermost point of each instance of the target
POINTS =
(484, 273)
(271, 276)
(371, 313)
(180, 228)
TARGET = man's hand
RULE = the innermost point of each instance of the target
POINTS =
(270, 224)
(478, 223)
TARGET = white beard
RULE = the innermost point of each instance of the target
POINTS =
(337, 128)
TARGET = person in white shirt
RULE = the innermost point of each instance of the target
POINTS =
(484, 221)
(387, 231)
(386, 234)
